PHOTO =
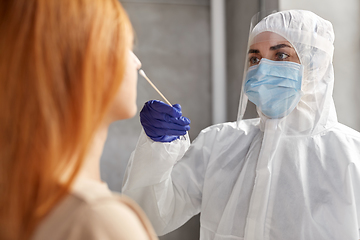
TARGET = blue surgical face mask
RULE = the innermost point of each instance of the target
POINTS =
(274, 86)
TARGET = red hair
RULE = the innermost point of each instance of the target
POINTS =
(61, 64)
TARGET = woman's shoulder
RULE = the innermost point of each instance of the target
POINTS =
(114, 217)
(92, 211)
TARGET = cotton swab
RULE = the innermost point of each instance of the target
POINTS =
(142, 73)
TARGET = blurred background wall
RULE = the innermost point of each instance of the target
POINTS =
(173, 42)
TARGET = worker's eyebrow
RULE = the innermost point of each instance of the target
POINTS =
(276, 47)
(254, 51)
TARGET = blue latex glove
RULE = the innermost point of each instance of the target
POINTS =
(163, 123)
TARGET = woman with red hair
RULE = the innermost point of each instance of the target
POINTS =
(66, 72)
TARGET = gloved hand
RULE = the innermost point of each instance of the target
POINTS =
(163, 123)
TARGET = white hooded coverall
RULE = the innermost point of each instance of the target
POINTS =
(294, 178)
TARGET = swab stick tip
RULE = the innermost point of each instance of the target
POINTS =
(142, 73)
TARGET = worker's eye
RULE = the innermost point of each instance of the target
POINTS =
(253, 61)
(281, 56)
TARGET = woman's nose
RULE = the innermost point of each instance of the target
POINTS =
(137, 61)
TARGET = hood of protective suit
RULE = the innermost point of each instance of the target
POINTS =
(312, 37)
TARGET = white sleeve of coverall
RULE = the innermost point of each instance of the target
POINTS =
(167, 187)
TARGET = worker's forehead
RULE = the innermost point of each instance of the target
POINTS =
(269, 37)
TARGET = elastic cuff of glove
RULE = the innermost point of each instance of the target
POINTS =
(164, 138)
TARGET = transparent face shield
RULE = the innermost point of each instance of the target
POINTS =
(272, 73)
(286, 64)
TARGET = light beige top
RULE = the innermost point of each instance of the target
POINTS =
(92, 211)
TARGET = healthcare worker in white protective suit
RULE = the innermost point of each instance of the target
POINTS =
(293, 173)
